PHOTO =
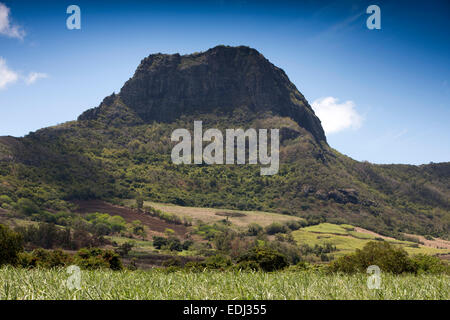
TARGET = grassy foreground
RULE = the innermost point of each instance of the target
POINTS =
(51, 284)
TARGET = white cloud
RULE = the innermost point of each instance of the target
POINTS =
(7, 75)
(6, 27)
(34, 76)
(335, 116)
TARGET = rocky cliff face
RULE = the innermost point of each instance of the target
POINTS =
(220, 80)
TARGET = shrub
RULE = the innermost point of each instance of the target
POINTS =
(294, 225)
(223, 240)
(5, 199)
(104, 224)
(138, 228)
(171, 243)
(267, 259)
(302, 265)
(276, 228)
(169, 232)
(254, 229)
(428, 264)
(125, 248)
(218, 261)
(386, 256)
(159, 242)
(96, 258)
(291, 251)
(173, 262)
(247, 266)
(48, 236)
(44, 259)
(139, 202)
(26, 206)
(187, 244)
(10, 245)
(174, 244)
(215, 262)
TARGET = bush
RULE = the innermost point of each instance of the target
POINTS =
(254, 229)
(125, 248)
(276, 228)
(290, 251)
(223, 240)
(5, 199)
(104, 224)
(295, 225)
(48, 236)
(428, 264)
(44, 259)
(26, 206)
(215, 262)
(218, 261)
(265, 258)
(173, 262)
(159, 242)
(10, 245)
(171, 243)
(139, 203)
(96, 258)
(187, 244)
(386, 256)
(174, 244)
(247, 266)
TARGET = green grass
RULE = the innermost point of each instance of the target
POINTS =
(343, 229)
(50, 284)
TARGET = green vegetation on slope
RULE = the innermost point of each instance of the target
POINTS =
(90, 159)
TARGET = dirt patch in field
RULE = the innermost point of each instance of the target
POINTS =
(209, 215)
(435, 243)
(362, 230)
(156, 225)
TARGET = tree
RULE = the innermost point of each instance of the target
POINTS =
(125, 248)
(10, 245)
(138, 229)
(27, 206)
(254, 229)
(139, 202)
(158, 242)
(275, 228)
(264, 258)
(387, 257)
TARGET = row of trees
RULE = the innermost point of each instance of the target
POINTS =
(12, 252)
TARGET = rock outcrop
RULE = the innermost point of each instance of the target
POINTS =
(220, 80)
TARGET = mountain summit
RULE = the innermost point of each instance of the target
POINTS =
(220, 80)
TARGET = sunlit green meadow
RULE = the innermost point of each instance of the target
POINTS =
(51, 284)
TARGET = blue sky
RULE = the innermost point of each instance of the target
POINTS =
(383, 95)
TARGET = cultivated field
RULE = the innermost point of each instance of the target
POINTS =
(51, 284)
(348, 238)
(345, 237)
(210, 215)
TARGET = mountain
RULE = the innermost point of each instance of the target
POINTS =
(221, 80)
(122, 148)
